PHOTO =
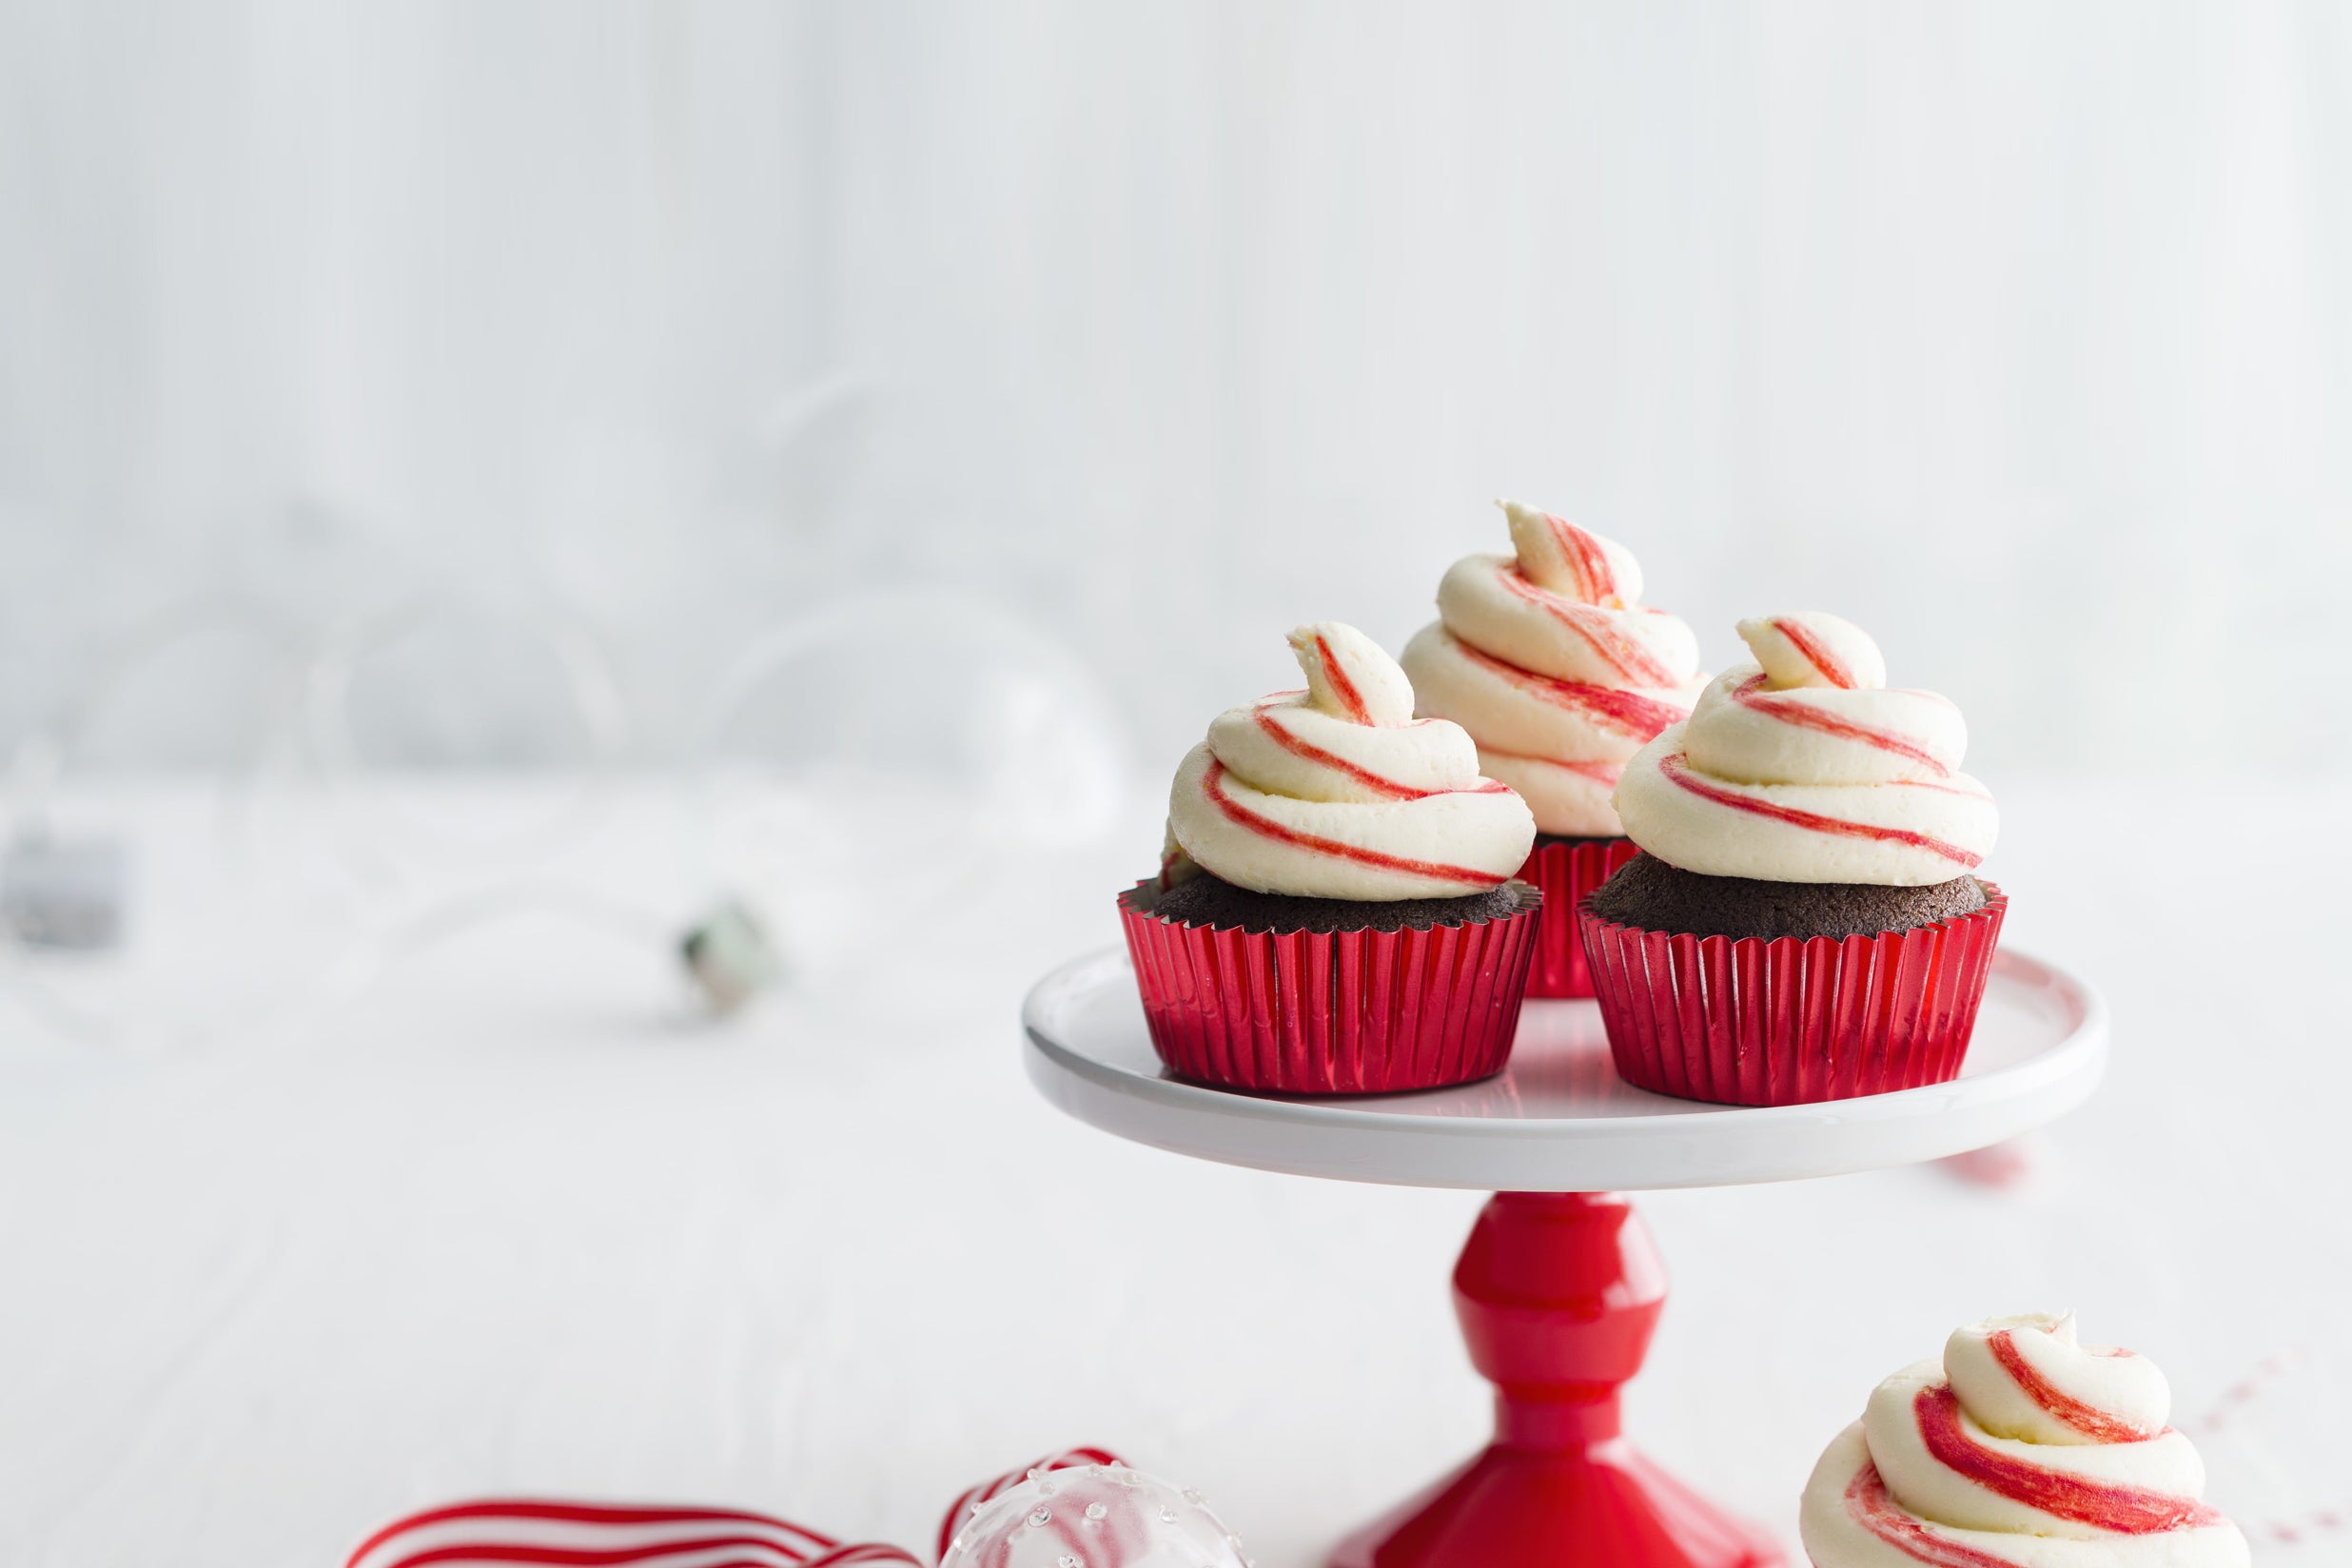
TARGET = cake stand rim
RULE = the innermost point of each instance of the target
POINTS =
(1369, 1141)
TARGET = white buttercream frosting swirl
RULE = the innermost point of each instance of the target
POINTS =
(1546, 657)
(1806, 767)
(2021, 1447)
(1337, 791)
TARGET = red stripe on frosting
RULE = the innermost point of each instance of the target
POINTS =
(1364, 776)
(2088, 1420)
(1927, 784)
(1624, 655)
(1594, 579)
(1599, 773)
(1816, 653)
(1341, 687)
(1749, 693)
(1628, 712)
(1868, 1505)
(1678, 771)
(1243, 816)
(2105, 1505)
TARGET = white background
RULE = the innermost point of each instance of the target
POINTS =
(383, 1167)
(2015, 332)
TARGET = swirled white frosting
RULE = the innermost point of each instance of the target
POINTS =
(1805, 767)
(1337, 791)
(2023, 1448)
(1546, 658)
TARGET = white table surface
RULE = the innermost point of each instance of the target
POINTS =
(494, 1217)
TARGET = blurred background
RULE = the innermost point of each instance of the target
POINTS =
(2014, 332)
(496, 496)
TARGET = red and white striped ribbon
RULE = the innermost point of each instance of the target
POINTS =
(547, 1533)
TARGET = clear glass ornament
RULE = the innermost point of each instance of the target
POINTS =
(1095, 1516)
(888, 750)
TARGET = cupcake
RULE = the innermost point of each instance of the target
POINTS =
(1548, 659)
(1335, 912)
(1803, 922)
(2022, 1448)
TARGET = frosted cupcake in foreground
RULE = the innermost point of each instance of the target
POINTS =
(1804, 921)
(1335, 912)
(1548, 658)
(2022, 1448)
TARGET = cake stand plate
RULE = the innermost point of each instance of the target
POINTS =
(1559, 1286)
(1558, 1119)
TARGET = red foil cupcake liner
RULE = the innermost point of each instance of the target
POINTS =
(1326, 1012)
(1794, 1020)
(1564, 873)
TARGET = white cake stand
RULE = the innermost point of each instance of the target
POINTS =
(1559, 1286)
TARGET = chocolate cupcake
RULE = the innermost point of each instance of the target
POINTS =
(1335, 912)
(1804, 921)
(1548, 658)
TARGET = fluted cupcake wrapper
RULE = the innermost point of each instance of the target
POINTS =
(1331, 1013)
(1794, 1020)
(1564, 873)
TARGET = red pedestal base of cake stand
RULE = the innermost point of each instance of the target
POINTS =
(1557, 1295)
(1559, 1286)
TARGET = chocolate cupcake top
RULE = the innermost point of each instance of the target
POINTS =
(1806, 767)
(1339, 791)
(1550, 661)
(2020, 1447)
